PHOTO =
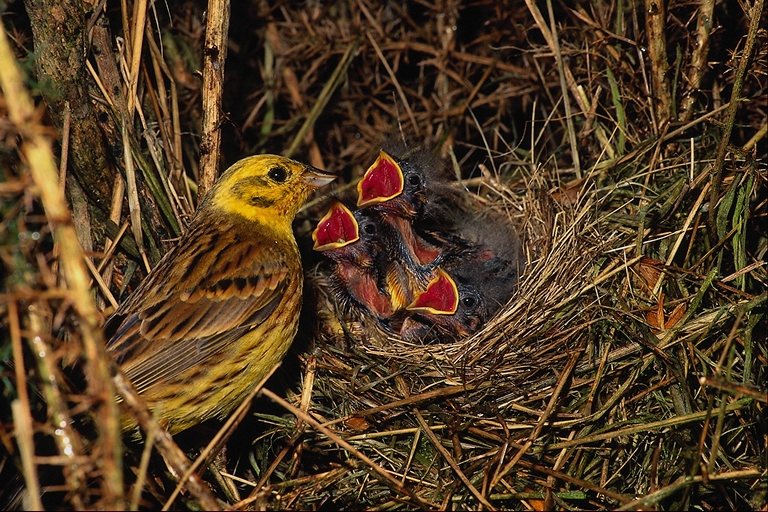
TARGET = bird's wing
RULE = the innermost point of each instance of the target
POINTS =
(180, 325)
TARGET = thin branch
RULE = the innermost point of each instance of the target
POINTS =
(214, 58)
(699, 58)
(655, 17)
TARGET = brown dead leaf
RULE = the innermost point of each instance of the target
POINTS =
(676, 315)
(568, 194)
(659, 321)
(655, 316)
(648, 271)
(357, 424)
(535, 504)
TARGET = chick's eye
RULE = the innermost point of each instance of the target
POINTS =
(414, 179)
(469, 302)
(278, 174)
(370, 229)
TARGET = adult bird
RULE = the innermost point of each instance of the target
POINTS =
(221, 308)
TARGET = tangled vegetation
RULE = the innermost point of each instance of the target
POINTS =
(625, 141)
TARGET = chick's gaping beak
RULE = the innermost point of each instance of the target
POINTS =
(382, 181)
(338, 228)
(440, 298)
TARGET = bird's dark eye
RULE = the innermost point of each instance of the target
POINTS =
(278, 174)
(414, 179)
(469, 302)
(370, 229)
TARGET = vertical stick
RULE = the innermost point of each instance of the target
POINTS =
(655, 15)
(698, 58)
(214, 57)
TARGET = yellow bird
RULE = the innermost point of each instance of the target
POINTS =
(222, 307)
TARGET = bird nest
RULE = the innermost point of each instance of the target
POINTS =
(384, 388)
(560, 243)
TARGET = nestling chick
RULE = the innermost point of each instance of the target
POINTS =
(447, 264)
(352, 241)
(396, 190)
(456, 304)
(472, 283)
(221, 308)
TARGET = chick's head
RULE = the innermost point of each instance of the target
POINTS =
(450, 307)
(347, 236)
(394, 186)
(461, 298)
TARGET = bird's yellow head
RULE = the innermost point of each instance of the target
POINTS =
(267, 189)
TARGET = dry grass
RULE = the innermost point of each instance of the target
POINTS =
(628, 370)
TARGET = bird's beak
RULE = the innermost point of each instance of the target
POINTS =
(381, 182)
(440, 298)
(317, 177)
(338, 228)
